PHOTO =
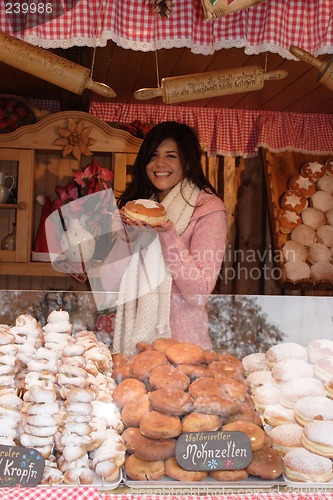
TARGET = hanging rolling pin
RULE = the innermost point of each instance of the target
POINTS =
(211, 84)
(50, 67)
(325, 67)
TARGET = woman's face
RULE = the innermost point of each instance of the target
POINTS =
(165, 169)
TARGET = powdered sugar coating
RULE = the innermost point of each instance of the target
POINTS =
(255, 362)
(320, 348)
(300, 388)
(285, 350)
(306, 462)
(289, 435)
(288, 369)
(265, 395)
(314, 408)
(258, 378)
(279, 413)
(319, 432)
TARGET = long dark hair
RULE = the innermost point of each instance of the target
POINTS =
(189, 154)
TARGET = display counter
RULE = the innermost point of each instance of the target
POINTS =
(240, 326)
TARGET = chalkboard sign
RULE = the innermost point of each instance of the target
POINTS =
(20, 466)
(218, 450)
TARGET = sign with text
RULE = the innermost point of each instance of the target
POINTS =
(218, 450)
(20, 466)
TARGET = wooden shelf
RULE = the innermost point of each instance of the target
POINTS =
(29, 269)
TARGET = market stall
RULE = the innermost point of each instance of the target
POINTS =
(103, 427)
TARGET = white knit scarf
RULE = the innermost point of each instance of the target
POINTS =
(143, 306)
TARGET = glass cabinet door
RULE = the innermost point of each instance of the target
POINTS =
(16, 204)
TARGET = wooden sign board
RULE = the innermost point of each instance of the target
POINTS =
(20, 466)
(218, 450)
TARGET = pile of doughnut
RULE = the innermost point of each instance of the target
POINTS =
(170, 387)
(56, 397)
(306, 216)
(292, 389)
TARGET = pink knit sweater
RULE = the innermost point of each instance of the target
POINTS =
(194, 259)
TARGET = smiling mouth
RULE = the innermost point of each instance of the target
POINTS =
(162, 174)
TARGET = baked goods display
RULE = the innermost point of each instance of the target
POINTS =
(147, 211)
(183, 388)
(56, 397)
(91, 414)
(296, 405)
(307, 250)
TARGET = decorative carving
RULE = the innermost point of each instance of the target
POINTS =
(75, 139)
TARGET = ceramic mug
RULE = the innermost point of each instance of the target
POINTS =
(5, 187)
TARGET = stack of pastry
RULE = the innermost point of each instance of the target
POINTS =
(296, 401)
(306, 216)
(65, 408)
(10, 403)
(172, 387)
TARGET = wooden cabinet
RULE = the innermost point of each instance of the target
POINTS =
(32, 157)
(19, 209)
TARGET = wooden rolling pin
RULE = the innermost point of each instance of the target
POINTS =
(50, 67)
(325, 67)
(211, 84)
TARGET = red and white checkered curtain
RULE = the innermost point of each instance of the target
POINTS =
(234, 132)
(272, 26)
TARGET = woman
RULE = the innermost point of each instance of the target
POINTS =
(168, 170)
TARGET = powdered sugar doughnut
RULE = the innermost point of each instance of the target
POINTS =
(322, 271)
(322, 200)
(325, 184)
(299, 388)
(304, 234)
(318, 252)
(297, 271)
(325, 235)
(261, 377)
(329, 217)
(285, 350)
(313, 217)
(318, 438)
(313, 408)
(320, 348)
(286, 437)
(302, 465)
(294, 251)
(254, 362)
(289, 369)
(265, 395)
(323, 369)
(277, 414)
